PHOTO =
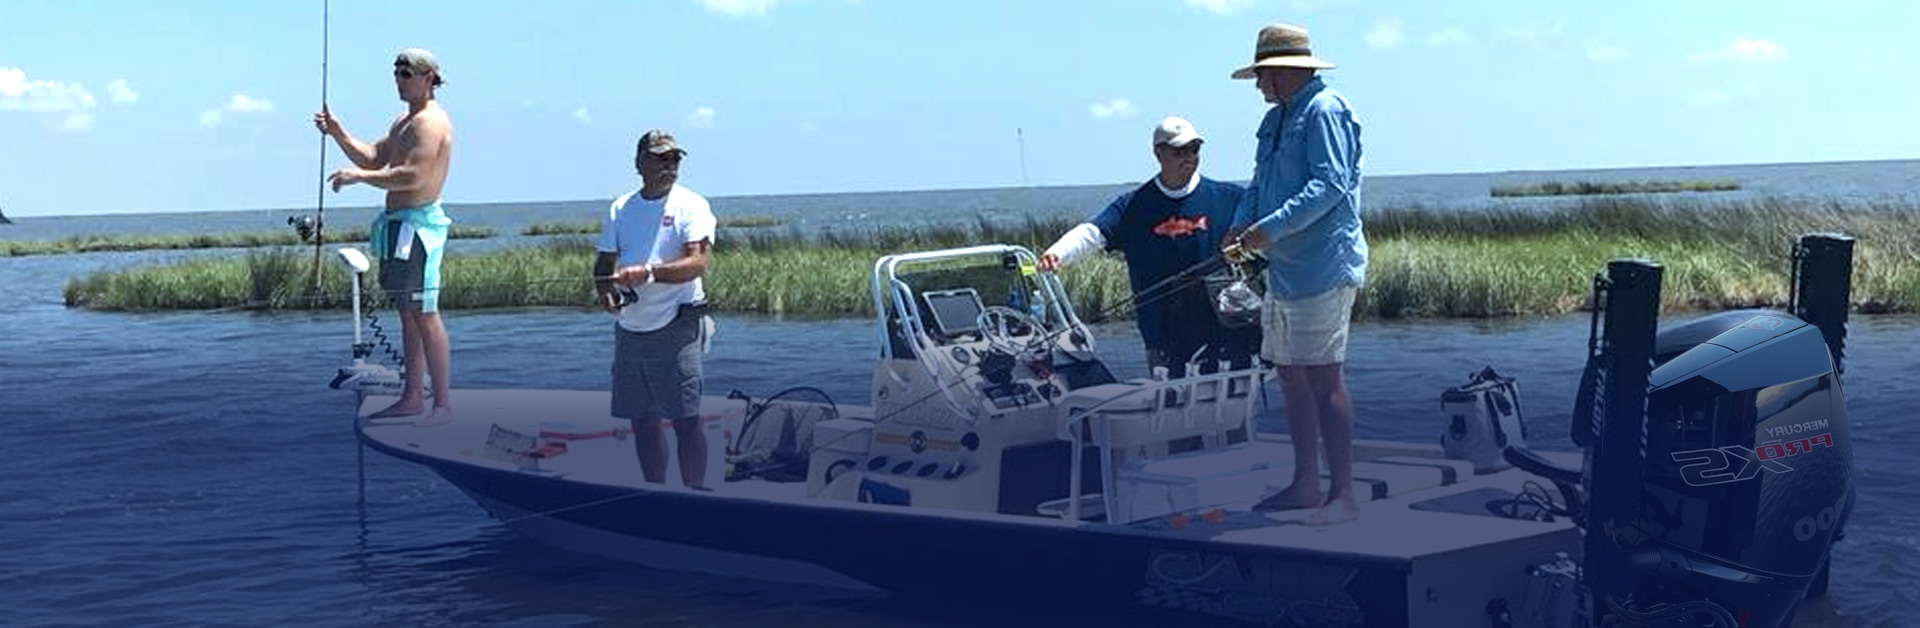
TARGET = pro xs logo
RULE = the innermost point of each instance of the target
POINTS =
(1735, 463)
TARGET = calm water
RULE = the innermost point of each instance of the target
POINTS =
(192, 468)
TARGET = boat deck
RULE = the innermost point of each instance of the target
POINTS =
(1415, 503)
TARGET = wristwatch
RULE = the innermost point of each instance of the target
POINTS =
(649, 280)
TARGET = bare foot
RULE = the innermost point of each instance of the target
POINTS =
(1295, 496)
(1339, 510)
(403, 407)
(441, 415)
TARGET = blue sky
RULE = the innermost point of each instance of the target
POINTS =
(122, 106)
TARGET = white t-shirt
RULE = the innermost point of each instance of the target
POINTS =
(655, 232)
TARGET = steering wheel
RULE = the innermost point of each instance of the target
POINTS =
(996, 327)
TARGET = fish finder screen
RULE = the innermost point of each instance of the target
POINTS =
(954, 312)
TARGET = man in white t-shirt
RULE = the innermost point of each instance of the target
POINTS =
(654, 246)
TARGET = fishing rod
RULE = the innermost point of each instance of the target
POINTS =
(320, 221)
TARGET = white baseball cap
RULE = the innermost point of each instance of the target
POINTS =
(1176, 132)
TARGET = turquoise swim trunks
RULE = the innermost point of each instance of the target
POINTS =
(409, 244)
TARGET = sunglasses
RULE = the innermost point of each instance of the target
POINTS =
(1189, 149)
(405, 72)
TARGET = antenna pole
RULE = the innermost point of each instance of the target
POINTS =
(1020, 134)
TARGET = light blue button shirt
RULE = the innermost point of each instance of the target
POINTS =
(1305, 194)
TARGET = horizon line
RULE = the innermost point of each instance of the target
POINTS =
(985, 188)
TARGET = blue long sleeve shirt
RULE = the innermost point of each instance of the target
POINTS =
(1305, 194)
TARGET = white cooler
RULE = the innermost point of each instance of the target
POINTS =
(1193, 482)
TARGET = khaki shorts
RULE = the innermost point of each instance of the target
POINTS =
(1307, 332)
(659, 374)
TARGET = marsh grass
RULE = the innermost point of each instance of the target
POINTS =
(1485, 263)
(749, 221)
(560, 228)
(236, 240)
(1585, 188)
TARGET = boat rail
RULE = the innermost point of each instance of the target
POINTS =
(1188, 393)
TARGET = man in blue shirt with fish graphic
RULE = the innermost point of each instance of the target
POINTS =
(1302, 211)
(1170, 224)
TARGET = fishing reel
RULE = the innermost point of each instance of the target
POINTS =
(306, 226)
(1239, 254)
(1237, 293)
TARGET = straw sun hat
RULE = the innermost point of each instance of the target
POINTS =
(1282, 45)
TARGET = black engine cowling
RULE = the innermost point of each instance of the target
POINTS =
(1748, 468)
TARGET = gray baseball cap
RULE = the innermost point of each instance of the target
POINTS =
(420, 59)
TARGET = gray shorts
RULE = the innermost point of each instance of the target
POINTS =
(656, 374)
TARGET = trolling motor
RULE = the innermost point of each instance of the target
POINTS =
(362, 377)
(1718, 460)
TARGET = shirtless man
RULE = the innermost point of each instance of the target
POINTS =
(410, 163)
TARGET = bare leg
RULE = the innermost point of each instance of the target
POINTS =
(692, 445)
(411, 389)
(434, 345)
(1303, 426)
(1336, 424)
(651, 448)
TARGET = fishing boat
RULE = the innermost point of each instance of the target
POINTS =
(999, 459)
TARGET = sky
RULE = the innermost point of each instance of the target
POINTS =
(110, 106)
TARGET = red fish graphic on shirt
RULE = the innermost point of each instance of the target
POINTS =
(1176, 226)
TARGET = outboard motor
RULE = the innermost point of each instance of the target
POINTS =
(1749, 466)
(1719, 463)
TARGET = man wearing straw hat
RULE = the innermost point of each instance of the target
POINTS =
(1302, 211)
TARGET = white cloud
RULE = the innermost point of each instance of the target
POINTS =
(1116, 108)
(239, 103)
(701, 118)
(1386, 34)
(1230, 7)
(740, 8)
(242, 103)
(1743, 50)
(1310, 6)
(1449, 37)
(77, 121)
(583, 116)
(1220, 7)
(1706, 98)
(1601, 48)
(17, 93)
(1537, 35)
(122, 93)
